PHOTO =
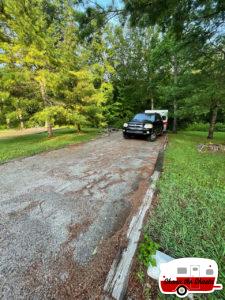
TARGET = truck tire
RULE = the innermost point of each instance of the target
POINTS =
(152, 137)
(126, 136)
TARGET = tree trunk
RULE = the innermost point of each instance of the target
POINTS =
(78, 128)
(174, 116)
(175, 78)
(8, 122)
(21, 125)
(152, 103)
(21, 122)
(48, 125)
(214, 110)
(49, 129)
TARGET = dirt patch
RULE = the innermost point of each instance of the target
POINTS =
(76, 229)
(211, 148)
(86, 283)
(141, 286)
(69, 280)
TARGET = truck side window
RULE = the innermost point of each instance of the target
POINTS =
(181, 270)
(209, 272)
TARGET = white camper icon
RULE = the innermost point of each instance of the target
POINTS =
(188, 275)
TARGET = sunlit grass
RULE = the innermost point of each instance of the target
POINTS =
(28, 145)
(189, 219)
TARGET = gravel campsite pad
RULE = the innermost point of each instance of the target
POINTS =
(64, 214)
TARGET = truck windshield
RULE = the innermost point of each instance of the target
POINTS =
(144, 118)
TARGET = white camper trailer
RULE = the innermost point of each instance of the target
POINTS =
(164, 115)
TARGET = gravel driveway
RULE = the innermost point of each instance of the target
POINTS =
(63, 215)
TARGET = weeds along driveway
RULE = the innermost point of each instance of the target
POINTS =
(63, 216)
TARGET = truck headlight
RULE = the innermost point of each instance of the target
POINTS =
(125, 125)
(148, 126)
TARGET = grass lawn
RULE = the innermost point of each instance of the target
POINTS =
(189, 220)
(18, 132)
(14, 147)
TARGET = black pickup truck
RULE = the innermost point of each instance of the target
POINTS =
(143, 124)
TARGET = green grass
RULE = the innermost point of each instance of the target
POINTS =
(189, 220)
(28, 145)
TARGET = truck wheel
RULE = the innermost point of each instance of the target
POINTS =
(126, 136)
(152, 137)
(182, 291)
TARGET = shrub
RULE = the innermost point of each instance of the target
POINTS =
(146, 250)
(204, 127)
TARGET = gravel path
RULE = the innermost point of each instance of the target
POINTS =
(62, 213)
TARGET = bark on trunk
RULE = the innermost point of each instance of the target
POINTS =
(21, 122)
(152, 103)
(214, 110)
(49, 129)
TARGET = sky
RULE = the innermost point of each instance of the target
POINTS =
(117, 3)
(105, 3)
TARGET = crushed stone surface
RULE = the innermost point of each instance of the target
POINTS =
(58, 208)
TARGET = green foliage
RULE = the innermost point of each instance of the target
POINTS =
(13, 118)
(136, 76)
(141, 276)
(182, 17)
(145, 63)
(198, 126)
(53, 54)
(189, 219)
(192, 35)
(75, 118)
(52, 114)
(48, 74)
(146, 250)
